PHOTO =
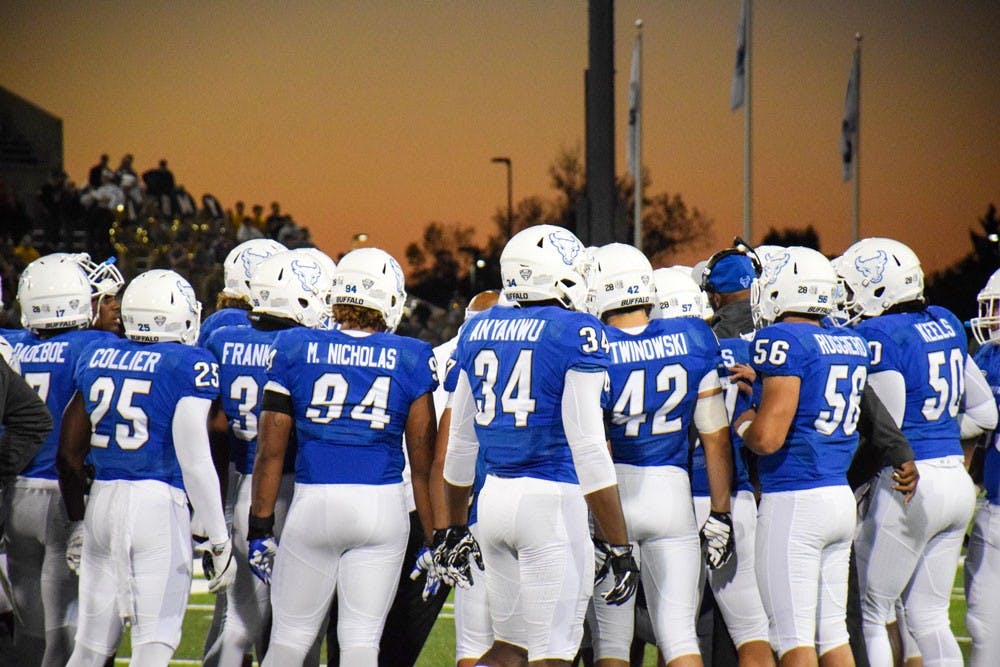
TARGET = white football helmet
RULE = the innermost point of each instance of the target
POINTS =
(104, 278)
(294, 285)
(986, 327)
(878, 274)
(624, 278)
(160, 306)
(677, 294)
(371, 278)
(240, 263)
(54, 293)
(795, 280)
(545, 262)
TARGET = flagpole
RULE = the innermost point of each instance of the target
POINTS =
(856, 212)
(747, 117)
(637, 149)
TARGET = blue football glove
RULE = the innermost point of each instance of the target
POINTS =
(261, 554)
(425, 565)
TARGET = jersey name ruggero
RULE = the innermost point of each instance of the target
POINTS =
(516, 360)
(655, 376)
(928, 349)
(47, 366)
(832, 365)
(351, 396)
(131, 391)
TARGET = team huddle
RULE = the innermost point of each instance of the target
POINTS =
(600, 447)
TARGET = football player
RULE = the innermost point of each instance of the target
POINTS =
(734, 586)
(55, 298)
(920, 371)
(805, 431)
(140, 410)
(281, 300)
(529, 393)
(233, 303)
(982, 558)
(349, 394)
(105, 281)
(663, 379)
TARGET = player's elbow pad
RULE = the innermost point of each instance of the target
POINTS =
(460, 462)
(584, 427)
(710, 413)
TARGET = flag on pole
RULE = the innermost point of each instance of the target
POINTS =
(849, 126)
(740, 71)
(634, 100)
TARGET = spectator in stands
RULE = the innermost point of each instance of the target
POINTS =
(125, 169)
(133, 195)
(159, 181)
(248, 230)
(59, 205)
(25, 251)
(14, 222)
(94, 177)
(258, 216)
(236, 216)
(275, 221)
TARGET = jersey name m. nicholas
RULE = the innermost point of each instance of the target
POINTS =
(352, 355)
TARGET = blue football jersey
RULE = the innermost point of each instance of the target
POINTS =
(833, 366)
(733, 351)
(516, 360)
(988, 360)
(131, 391)
(929, 349)
(351, 396)
(13, 336)
(243, 353)
(654, 379)
(226, 317)
(47, 365)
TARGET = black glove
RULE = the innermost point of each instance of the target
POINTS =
(454, 554)
(618, 561)
(717, 539)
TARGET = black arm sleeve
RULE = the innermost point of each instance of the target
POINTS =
(275, 401)
(881, 441)
(26, 420)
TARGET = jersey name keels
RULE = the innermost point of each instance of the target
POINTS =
(935, 331)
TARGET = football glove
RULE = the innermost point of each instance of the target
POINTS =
(261, 554)
(223, 567)
(425, 565)
(454, 555)
(616, 560)
(74, 546)
(260, 535)
(717, 539)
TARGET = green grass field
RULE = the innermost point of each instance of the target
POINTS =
(440, 648)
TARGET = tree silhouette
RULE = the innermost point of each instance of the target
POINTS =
(956, 287)
(443, 258)
(807, 238)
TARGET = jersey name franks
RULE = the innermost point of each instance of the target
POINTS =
(246, 354)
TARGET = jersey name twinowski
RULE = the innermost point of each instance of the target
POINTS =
(659, 347)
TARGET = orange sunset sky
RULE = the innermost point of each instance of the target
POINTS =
(380, 116)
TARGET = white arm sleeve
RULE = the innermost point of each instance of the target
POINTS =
(583, 422)
(891, 390)
(463, 446)
(710, 412)
(190, 430)
(980, 412)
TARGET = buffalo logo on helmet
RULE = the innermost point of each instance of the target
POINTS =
(188, 293)
(872, 268)
(251, 259)
(567, 245)
(775, 263)
(308, 273)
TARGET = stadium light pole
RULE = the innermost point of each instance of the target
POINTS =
(510, 192)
